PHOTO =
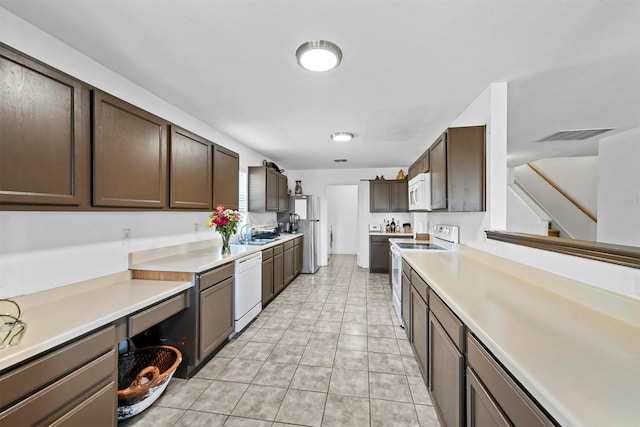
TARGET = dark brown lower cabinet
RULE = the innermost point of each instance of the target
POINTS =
(419, 332)
(494, 398)
(267, 276)
(278, 269)
(73, 385)
(446, 375)
(482, 410)
(297, 255)
(406, 305)
(216, 315)
(289, 268)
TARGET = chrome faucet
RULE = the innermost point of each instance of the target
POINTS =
(243, 236)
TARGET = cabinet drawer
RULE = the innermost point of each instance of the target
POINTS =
(406, 268)
(449, 321)
(33, 376)
(288, 245)
(420, 285)
(100, 406)
(156, 314)
(297, 241)
(216, 275)
(514, 402)
(65, 394)
(278, 249)
(266, 254)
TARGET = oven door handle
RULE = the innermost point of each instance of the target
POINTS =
(394, 250)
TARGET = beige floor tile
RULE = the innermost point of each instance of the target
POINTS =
(352, 342)
(275, 374)
(256, 351)
(427, 416)
(155, 416)
(419, 392)
(351, 359)
(318, 356)
(342, 411)
(220, 398)
(383, 345)
(240, 370)
(323, 339)
(351, 328)
(260, 402)
(328, 326)
(302, 407)
(385, 413)
(246, 422)
(201, 419)
(285, 353)
(311, 378)
(268, 335)
(389, 387)
(386, 363)
(295, 337)
(182, 393)
(213, 368)
(349, 382)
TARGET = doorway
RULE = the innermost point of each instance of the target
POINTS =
(342, 218)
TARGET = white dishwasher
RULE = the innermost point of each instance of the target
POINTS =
(248, 294)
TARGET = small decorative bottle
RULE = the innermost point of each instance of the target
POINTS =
(393, 226)
(387, 227)
(298, 187)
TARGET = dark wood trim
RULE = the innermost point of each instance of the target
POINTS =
(628, 256)
(565, 195)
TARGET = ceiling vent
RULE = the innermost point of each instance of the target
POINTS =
(574, 135)
(340, 160)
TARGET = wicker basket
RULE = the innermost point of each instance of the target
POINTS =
(143, 374)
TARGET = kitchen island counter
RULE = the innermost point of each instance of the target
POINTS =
(58, 315)
(197, 257)
(574, 347)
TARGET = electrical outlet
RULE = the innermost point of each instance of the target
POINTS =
(196, 227)
(126, 236)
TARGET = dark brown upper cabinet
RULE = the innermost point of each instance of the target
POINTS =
(267, 190)
(458, 170)
(421, 165)
(226, 170)
(129, 155)
(388, 196)
(190, 173)
(44, 146)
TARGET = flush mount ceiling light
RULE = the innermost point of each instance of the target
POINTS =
(341, 136)
(318, 55)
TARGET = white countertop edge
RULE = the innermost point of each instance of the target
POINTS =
(202, 259)
(13, 355)
(561, 413)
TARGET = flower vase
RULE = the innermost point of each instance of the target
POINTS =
(226, 249)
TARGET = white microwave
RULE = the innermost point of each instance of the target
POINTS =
(420, 192)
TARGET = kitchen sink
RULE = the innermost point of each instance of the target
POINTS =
(256, 242)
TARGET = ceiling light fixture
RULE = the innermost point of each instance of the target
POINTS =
(341, 136)
(318, 55)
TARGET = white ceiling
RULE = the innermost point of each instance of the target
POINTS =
(409, 68)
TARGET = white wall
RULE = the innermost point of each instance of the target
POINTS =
(41, 250)
(342, 215)
(317, 182)
(619, 189)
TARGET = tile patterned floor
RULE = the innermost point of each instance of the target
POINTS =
(328, 351)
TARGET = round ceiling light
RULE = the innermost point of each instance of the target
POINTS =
(341, 136)
(318, 55)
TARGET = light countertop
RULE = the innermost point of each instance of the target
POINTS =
(58, 315)
(580, 360)
(193, 259)
(391, 235)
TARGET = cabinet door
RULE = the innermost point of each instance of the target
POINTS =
(267, 281)
(278, 272)
(419, 331)
(216, 316)
(379, 196)
(272, 190)
(283, 196)
(425, 164)
(446, 375)
(226, 170)
(406, 305)
(297, 256)
(190, 173)
(379, 254)
(399, 196)
(43, 154)
(482, 410)
(289, 267)
(466, 169)
(438, 155)
(129, 155)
